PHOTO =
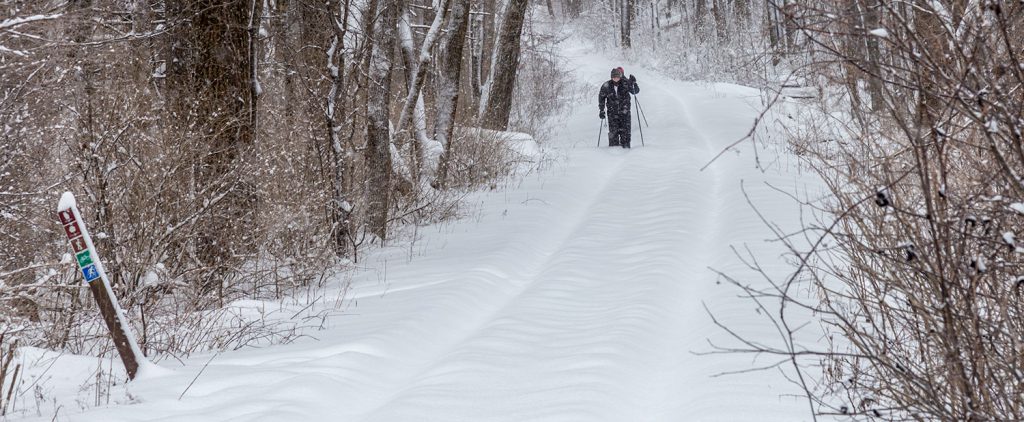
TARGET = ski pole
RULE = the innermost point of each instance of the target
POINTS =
(638, 123)
(599, 128)
(641, 108)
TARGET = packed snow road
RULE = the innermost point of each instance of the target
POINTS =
(577, 295)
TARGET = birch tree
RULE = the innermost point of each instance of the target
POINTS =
(416, 73)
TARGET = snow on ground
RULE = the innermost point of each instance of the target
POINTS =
(576, 296)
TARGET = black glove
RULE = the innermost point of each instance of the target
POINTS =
(601, 115)
(632, 78)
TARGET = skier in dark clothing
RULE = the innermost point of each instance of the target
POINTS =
(615, 94)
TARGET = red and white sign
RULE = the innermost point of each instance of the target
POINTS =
(78, 244)
(66, 217)
(72, 230)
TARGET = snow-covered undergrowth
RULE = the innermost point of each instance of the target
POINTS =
(580, 293)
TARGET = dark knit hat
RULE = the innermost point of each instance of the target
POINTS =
(617, 72)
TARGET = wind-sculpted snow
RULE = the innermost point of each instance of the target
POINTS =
(576, 296)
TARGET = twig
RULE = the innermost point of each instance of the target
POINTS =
(197, 375)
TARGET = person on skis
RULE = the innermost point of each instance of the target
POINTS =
(615, 95)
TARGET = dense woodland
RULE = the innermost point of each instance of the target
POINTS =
(249, 149)
(234, 149)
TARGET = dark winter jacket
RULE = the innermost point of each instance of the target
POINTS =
(616, 96)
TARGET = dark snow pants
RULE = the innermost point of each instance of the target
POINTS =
(619, 126)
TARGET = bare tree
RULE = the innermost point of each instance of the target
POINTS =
(28, 114)
(213, 68)
(720, 15)
(220, 149)
(871, 18)
(341, 207)
(742, 12)
(416, 74)
(773, 27)
(627, 10)
(382, 22)
(449, 77)
(700, 13)
(915, 268)
(495, 113)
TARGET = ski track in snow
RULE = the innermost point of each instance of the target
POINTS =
(577, 296)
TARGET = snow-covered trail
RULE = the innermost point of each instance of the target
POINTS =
(577, 296)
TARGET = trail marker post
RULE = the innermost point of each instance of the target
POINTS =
(92, 269)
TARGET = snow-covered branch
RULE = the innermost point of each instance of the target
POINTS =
(13, 22)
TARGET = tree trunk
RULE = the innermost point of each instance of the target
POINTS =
(448, 80)
(742, 13)
(872, 20)
(700, 11)
(854, 54)
(413, 103)
(478, 45)
(720, 23)
(771, 25)
(626, 19)
(499, 97)
(212, 71)
(789, 24)
(378, 106)
(340, 208)
(416, 74)
(655, 22)
(571, 8)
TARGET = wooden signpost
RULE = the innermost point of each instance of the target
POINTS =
(92, 269)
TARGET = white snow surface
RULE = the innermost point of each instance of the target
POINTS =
(576, 295)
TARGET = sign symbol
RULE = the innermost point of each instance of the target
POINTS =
(78, 244)
(84, 259)
(72, 230)
(66, 217)
(90, 273)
